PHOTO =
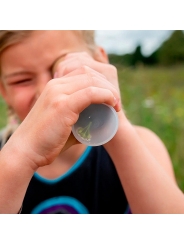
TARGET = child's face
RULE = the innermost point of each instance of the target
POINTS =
(26, 67)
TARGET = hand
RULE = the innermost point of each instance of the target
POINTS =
(44, 132)
(73, 61)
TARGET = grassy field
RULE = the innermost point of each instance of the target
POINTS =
(2, 113)
(154, 98)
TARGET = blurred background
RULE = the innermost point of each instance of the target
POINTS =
(151, 76)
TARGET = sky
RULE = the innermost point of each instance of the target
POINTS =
(122, 42)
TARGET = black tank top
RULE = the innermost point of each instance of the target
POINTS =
(91, 185)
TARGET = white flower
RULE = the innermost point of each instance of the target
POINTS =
(148, 103)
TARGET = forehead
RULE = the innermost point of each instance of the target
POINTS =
(41, 46)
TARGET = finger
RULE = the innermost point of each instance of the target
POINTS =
(62, 62)
(83, 70)
(81, 99)
(69, 85)
(66, 58)
(100, 69)
(63, 67)
(55, 65)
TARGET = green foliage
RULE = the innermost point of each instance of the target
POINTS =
(128, 59)
(3, 118)
(171, 52)
(137, 57)
(153, 97)
(116, 59)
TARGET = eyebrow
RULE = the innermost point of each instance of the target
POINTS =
(18, 73)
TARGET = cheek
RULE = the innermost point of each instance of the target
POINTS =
(22, 102)
(21, 110)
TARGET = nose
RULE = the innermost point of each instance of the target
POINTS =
(42, 80)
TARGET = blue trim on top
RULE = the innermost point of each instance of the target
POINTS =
(71, 170)
(65, 200)
(127, 211)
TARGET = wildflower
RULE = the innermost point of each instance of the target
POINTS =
(148, 103)
(84, 132)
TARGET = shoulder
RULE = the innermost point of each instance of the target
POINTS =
(149, 137)
(156, 148)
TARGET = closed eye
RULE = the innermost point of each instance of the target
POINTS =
(20, 82)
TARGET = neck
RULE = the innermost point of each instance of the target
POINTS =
(62, 163)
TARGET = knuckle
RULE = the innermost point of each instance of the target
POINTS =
(88, 71)
(90, 92)
(61, 105)
(58, 103)
(84, 69)
(51, 91)
(70, 117)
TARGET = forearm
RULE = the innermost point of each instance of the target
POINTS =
(15, 176)
(148, 187)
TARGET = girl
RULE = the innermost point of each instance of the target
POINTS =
(47, 79)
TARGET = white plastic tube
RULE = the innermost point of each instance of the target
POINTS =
(97, 125)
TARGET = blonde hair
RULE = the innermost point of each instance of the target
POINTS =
(10, 37)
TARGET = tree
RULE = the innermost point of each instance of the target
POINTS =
(172, 51)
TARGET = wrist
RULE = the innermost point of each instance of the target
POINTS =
(16, 173)
(124, 123)
(15, 157)
(125, 128)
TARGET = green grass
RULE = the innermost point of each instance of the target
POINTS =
(2, 113)
(154, 98)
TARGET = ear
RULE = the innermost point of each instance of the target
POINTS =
(101, 55)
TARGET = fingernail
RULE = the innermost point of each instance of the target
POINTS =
(115, 101)
(117, 104)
